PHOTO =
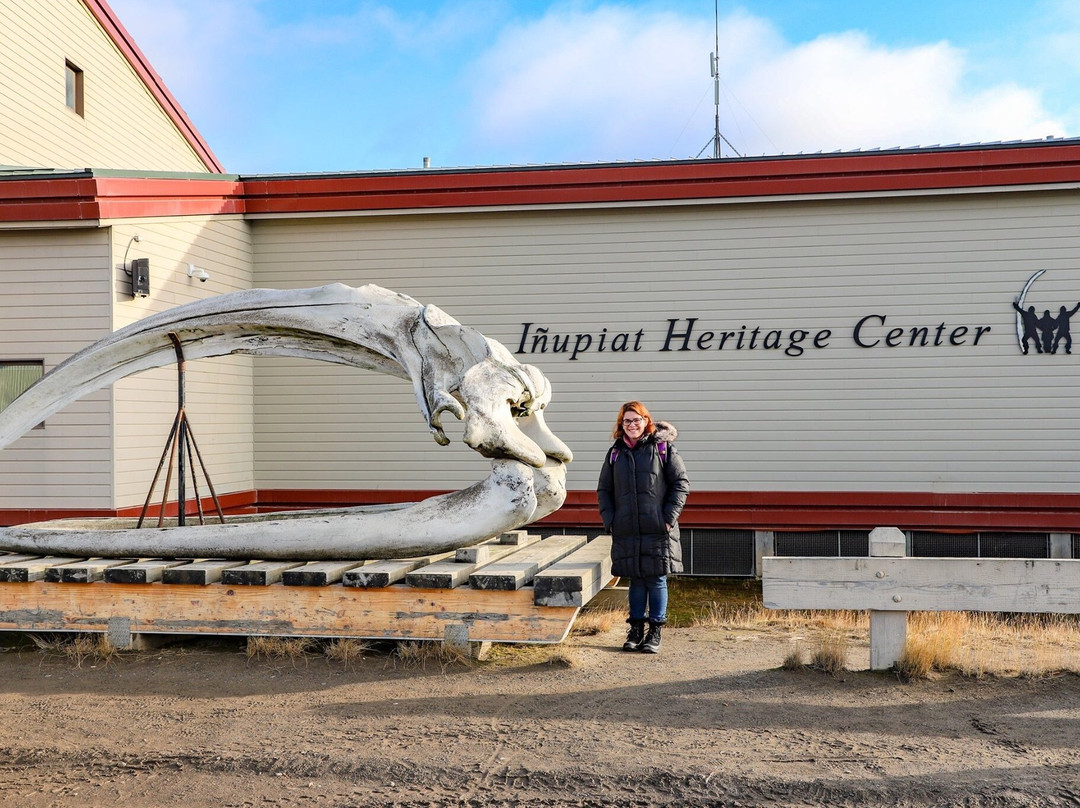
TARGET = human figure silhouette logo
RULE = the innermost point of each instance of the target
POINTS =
(1047, 333)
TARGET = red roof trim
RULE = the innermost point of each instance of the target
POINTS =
(48, 200)
(141, 65)
(707, 179)
(91, 197)
(120, 198)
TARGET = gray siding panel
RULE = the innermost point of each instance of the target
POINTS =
(218, 391)
(54, 300)
(945, 418)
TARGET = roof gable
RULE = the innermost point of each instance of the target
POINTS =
(124, 42)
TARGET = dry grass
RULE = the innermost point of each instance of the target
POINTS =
(276, 649)
(563, 656)
(303, 649)
(591, 622)
(756, 616)
(831, 653)
(420, 654)
(555, 655)
(410, 654)
(346, 651)
(794, 660)
(975, 644)
(970, 644)
(932, 644)
(77, 648)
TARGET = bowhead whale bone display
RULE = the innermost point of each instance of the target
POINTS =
(453, 369)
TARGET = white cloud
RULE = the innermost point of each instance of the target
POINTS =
(594, 83)
(621, 84)
(841, 91)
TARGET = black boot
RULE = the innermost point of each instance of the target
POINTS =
(635, 636)
(651, 643)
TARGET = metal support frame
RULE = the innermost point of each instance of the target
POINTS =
(181, 448)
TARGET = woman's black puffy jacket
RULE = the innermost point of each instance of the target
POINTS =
(639, 493)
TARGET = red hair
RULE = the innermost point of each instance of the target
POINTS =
(638, 408)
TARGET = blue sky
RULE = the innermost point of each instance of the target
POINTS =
(279, 86)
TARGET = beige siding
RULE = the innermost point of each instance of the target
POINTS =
(951, 418)
(123, 126)
(54, 300)
(219, 391)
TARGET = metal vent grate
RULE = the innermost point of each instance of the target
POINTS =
(944, 545)
(718, 552)
(829, 543)
(980, 545)
(808, 543)
(854, 543)
(1014, 545)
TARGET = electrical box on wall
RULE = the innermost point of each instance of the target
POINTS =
(140, 277)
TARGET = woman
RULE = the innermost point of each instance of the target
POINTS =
(642, 490)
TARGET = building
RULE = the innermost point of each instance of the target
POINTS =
(833, 335)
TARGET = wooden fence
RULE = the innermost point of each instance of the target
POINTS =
(889, 585)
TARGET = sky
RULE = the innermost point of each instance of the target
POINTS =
(280, 86)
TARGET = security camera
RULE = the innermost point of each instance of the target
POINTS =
(195, 272)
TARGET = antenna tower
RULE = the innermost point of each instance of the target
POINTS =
(714, 68)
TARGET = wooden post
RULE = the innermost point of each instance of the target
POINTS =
(888, 629)
(764, 545)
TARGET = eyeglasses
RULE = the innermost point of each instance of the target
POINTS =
(632, 421)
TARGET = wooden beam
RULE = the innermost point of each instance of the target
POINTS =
(141, 572)
(519, 569)
(389, 572)
(923, 584)
(449, 574)
(519, 537)
(257, 573)
(33, 569)
(577, 578)
(476, 553)
(488, 551)
(318, 573)
(6, 559)
(199, 573)
(83, 571)
(398, 612)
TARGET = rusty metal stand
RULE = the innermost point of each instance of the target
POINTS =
(181, 447)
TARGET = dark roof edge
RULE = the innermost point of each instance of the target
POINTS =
(23, 173)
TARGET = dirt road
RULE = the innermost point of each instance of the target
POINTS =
(712, 720)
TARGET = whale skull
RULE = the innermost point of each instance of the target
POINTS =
(453, 369)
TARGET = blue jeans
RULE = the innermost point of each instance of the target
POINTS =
(648, 599)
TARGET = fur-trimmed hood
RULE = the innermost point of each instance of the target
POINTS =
(666, 432)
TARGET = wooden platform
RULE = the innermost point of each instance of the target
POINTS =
(517, 588)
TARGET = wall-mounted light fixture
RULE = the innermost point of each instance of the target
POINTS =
(194, 272)
(140, 277)
(138, 270)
